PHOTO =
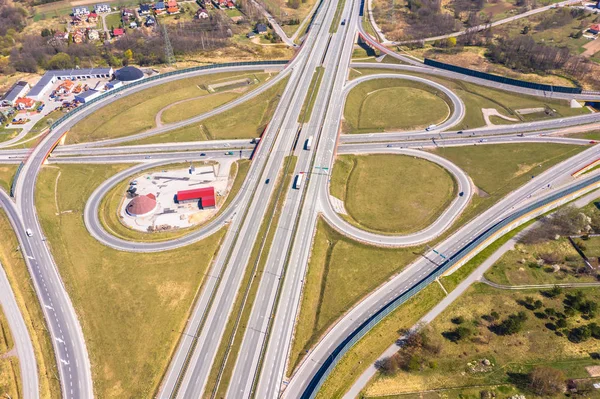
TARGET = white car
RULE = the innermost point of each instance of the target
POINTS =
(29, 233)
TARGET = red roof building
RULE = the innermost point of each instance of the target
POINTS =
(24, 103)
(118, 32)
(595, 29)
(142, 205)
(205, 195)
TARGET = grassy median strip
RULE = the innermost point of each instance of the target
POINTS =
(247, 120)
(311, 97)
(10, 376)
(137, 112)
(109, 208)
(132, 306)
(227, 355)
(7, 174)
(338, 15)
(14, 265)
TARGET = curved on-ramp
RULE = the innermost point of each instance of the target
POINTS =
(445, 220)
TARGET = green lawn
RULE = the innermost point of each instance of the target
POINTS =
(511, 356)
(113, 21)
(10, 377)
(497, 169)
(311, 96)
(520, 266)
(393, 104)
(340, 273)
(18, 275)
(137, 112)
(247, 120)
(7, 173)
(148, 296)
(109, 209)
(7, 134)
(392, 193)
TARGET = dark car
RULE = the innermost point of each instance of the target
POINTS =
(267, 181)
(461, 193)
(203, 154)
(459, 132)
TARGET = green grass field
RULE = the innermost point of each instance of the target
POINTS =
(498, 169)
(7, 173)
(340, 272)
(247, 120)
(512, 356)
(10, 377)
(311, 97)
(477, 97)
(109, 207)
(391, 193)
(18, 275)
(148, 296)
(137, 112)
(393, 104)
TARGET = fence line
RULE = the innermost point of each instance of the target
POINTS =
(502, 79)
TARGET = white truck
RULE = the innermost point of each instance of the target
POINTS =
(298, 181)
(431, 127)
(308, 143)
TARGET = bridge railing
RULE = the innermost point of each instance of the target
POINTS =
(13, 184)
(159, 77)
(329, 364)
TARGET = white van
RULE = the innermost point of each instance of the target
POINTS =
(431, 127)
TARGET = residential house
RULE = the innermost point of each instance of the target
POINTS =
(103, 7)
(230, 5)
(150, 21)
(79, 11)
(118, 32)
(133, 25)
(24, 103)
(250, 35)
(201, 13)
(65, 87)
(93, 34)
(172, 7)
(127, 13)
(261, 29)
(78, 36)
(144, 9)
(159, 8)
(58, 39)
(92, 18)
(222, 4)
(595, 29)
(77, 20)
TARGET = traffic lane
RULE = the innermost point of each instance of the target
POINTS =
(49, 294)
(150, 148)
(547, 127)
(160, 157)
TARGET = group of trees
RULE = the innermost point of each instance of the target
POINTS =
(525, 54)
(564, 222)
(513, 324)
(414, 354)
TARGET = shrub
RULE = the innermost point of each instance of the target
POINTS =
(580, 334)
(546, 381)
(511, 325)
(458, 320)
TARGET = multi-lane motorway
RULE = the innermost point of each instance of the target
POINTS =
(261, 360)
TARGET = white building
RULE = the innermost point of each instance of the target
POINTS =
(19, 90)
(102, 8)
(45, 83)
(80, 11)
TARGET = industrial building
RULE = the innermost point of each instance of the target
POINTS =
(142, 205)
(50, 77)
(87, 96)
(18, 90)
(205, 196)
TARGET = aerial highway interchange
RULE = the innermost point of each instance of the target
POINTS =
(262, 357)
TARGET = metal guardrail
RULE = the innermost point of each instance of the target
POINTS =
(502, 79)
(13, 184)
(158, 77)
(329, 364)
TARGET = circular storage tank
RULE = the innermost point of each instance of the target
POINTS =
(142, 205)
(129, 74)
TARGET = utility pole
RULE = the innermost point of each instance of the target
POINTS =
(169, 56)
